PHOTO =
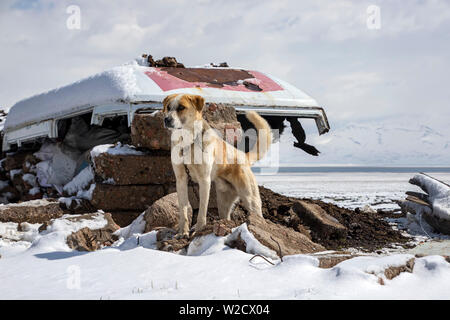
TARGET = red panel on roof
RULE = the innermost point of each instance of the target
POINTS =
(225, 79)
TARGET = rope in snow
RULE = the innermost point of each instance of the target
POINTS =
(279, 248)
(258, 255)
(280, 253)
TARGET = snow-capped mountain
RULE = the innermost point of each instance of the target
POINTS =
(405, 141)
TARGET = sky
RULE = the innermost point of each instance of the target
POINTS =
(359, 70)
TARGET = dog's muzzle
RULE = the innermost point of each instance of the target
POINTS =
(168, 122)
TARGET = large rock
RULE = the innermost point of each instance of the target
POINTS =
(34, 211)
(223, 118)
(148, 131)
(134, 169)
(124, 218)
(324, 225)
(393, 271)
(123, 198)
(291, 242)
(329, 260)
(163, 213)
(87, 239)
(167, 242)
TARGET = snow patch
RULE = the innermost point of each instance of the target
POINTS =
(116, 84)
(30, 179)
(54, 237)
(80, 181)
(439, 195)
(253, 246)
(117, 149)
(136, 227)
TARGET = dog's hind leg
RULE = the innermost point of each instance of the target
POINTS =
(226, 197)
(249, 194)
(183, 199)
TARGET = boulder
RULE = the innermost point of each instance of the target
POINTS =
(125, 198)
(291, 241)
(393, 271)
(134, 169)
(87, 239)
(167, 242)
(389, 272)
(34, 211)
(223, 118)
(163, 213)
(124, 218)
(148, 131)
(321, 223)
(220, 228)
(76, 205)
(329, 260)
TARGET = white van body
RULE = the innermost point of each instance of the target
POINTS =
(126, 89)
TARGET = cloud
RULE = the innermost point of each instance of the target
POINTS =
(322, 47)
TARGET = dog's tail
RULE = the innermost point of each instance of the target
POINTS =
(264, 134)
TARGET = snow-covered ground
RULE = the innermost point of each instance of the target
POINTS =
(43, 267)
(350, 190)
(141, 273)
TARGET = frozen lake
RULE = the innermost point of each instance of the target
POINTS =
(349, 187)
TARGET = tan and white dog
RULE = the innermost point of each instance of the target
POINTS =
(219, 162)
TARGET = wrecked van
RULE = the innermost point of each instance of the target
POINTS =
(108, 101)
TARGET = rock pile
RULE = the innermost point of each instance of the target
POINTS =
(34, 211)
(170, 62)
(91, 239)
(18, 180)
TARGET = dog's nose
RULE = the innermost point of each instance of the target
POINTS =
(167, 122)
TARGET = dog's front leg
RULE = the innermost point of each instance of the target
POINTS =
(205, 187)
(183, 200)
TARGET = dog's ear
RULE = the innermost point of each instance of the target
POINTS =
(198, 101)
(167, 101)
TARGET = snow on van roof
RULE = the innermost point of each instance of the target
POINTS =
(135, 83)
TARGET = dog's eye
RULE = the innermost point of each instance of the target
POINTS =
(181, 108)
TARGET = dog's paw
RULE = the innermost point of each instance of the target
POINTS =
(198, 227)
(182, 235)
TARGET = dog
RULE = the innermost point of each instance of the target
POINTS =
(219, 162)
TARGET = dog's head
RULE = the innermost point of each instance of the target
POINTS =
(182, 110)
